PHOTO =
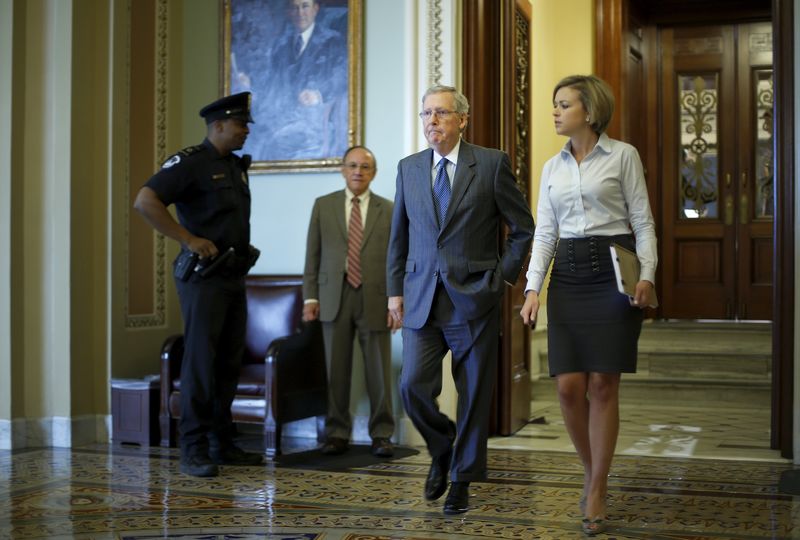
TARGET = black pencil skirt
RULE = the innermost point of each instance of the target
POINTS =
(591, 327)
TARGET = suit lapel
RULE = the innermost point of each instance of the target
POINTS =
(464, 176)
(374, 210)
(424, 164)
(338, 211)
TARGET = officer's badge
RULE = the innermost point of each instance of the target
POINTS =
(174, 160)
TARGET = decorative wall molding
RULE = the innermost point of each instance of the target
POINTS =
(434, 42)
(158, 317)
(431, 57)
(522, 106)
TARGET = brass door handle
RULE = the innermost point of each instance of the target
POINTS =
(744, 211)
(729, 209)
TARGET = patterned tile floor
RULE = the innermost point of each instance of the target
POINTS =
(104, 492)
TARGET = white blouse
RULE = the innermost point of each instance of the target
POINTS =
(605, 195)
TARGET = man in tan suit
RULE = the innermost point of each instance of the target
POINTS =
(344, 286)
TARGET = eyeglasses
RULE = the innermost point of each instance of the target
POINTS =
(365, 167)
(427, 114)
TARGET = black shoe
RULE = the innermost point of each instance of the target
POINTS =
(198, 465)
(382, 447)
(436, 483)
(334, 446)
(233, 455)
(457, 501)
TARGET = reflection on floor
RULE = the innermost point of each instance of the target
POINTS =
(720, 482)
(669, 431)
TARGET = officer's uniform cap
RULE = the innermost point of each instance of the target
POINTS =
(235, 106)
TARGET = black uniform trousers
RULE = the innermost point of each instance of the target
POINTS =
(215, 320)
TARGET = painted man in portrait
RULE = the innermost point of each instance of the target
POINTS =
(301, 85)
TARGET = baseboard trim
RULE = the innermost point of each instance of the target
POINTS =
(54, 431)
(62, 432)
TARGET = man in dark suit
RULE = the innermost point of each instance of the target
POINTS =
(305, 78)
(344, 285)
(446, 275)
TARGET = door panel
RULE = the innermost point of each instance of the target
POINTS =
(698, 247)
(716, 197)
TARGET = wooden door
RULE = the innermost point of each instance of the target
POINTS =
(497, 83)
(756, 173)
(716, 210)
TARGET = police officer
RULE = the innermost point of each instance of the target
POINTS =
(209, 186)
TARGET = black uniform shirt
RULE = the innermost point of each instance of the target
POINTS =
(210, 192)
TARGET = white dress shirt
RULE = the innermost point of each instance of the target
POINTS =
(452, 161)
(605, 195)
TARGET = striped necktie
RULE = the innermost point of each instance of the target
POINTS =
(355, 234)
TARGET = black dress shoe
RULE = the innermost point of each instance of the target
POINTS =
(382, 447)
(457, 501)
(436, 483)
(198, 465)
(334, 446)
(233, 455)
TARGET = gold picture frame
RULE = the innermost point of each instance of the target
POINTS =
(306, 99)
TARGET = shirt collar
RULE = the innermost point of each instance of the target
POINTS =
(452, 157)
(306, 34)
(603, 144)
(364, 197)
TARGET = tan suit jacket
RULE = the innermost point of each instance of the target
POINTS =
(326, 254)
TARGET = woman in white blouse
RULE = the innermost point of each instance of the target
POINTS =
(592, 194)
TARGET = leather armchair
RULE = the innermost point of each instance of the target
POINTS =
(283, 376)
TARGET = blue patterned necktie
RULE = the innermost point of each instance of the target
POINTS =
(441, 190)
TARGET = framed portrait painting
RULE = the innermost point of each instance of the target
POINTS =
(301, 60)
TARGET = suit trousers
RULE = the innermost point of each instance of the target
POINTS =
(474, 368)
(376, 348)
(215, 319)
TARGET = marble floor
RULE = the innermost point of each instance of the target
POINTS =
(680, 474)
(667, 431)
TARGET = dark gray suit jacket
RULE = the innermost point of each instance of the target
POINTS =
(466, 252)
(326, 254)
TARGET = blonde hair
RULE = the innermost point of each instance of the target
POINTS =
(596, 97)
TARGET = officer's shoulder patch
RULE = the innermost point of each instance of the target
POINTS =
(174, 160)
